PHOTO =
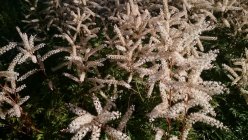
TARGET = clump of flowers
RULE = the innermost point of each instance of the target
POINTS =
(158, 42)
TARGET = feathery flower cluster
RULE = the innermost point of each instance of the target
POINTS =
(12, 86)
(87, 122)
(159, 42)
(239, 74)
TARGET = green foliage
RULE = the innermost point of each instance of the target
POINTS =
(10, 17)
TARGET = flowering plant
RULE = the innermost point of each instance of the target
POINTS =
(109, 49)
